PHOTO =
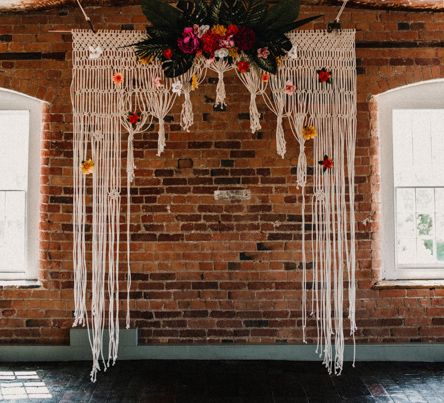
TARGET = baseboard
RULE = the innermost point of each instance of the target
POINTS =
(79, 350)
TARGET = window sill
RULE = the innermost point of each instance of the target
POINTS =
(20, 284)
(394, 284)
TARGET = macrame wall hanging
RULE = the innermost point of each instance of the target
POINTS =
(116, 95)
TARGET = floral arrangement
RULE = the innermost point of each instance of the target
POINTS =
(242, 32)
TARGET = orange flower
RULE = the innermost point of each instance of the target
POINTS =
(118, 78)
(265, 77)
(309, 132)
(87, 167)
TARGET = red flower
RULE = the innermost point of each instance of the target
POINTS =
(245, 39)
(210, 43)
(243, 66)
(327, 163)
(232, 30)
(325, 76)
(168, 53)
(133, 118)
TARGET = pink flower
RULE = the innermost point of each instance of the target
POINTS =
(158, 83)
(226, 43)
(263, 53)
(289, 88)
(189, 42)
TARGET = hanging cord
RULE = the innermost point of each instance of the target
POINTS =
(336, 25)
(87, 19)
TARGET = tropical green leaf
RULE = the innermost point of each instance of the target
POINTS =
(255, 12)
(150, 47)
(296, 24)
(233, 12)
(161, 34)
(283, 13)
(194, 12)
(279, 46)
(269, 64)
(214, 11)
(177, 66)
(161, 14)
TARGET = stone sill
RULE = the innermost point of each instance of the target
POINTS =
(20, 284)
(403, 284)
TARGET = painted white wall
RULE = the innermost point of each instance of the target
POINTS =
(422, 95)
(11, 100)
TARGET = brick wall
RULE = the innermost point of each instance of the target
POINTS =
(207, 271)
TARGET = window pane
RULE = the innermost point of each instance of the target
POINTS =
(14, 134)
(12, 231)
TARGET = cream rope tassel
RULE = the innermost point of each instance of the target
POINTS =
(281, 144)
(186, 115)
(161, 142)
(221, 93)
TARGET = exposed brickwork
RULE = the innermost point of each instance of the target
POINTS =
(207, 271)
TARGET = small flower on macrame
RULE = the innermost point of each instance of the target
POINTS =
(219, 30)
(221, 53)
(87, 167)
(293, 53)
(278, 61)
(327, 163)
(95, 52)
(194, 82)
(158, 83)
(309, 132)
(201, 30)
(265, 77)
(243, 66)
(118, 78)
(325, 76)
(168, 53)
(176, 88)
(146, 59)
(234, 53)
(263, 53)
(133, 118)
(289, 88)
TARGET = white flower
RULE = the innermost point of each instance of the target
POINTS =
(221, 53)
(95, 53)
(293, 52)
(202, 30)
(177, 87)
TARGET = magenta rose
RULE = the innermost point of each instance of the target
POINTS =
(189, 42)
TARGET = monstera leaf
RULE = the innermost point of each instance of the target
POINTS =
(194, 12)
(161, 14)
(177, 66)
(279, 46)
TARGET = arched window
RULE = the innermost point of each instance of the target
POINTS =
(20, 136)
(411, 132)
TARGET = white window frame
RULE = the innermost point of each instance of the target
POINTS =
(422, 95)
(15, 101)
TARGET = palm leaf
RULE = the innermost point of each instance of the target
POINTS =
(233, 12)
(161, 14)
(214, 11)
(279, 46)
(177, 66)
(296, 24)
(284, 12)
(150, 47)
(194, 12)
(255, 12)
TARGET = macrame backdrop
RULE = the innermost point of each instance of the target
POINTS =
(101, 107)
(331, 109)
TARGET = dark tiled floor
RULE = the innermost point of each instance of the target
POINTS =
(222, 382)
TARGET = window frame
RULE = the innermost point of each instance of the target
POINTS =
(422, 95)
(14, 101)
